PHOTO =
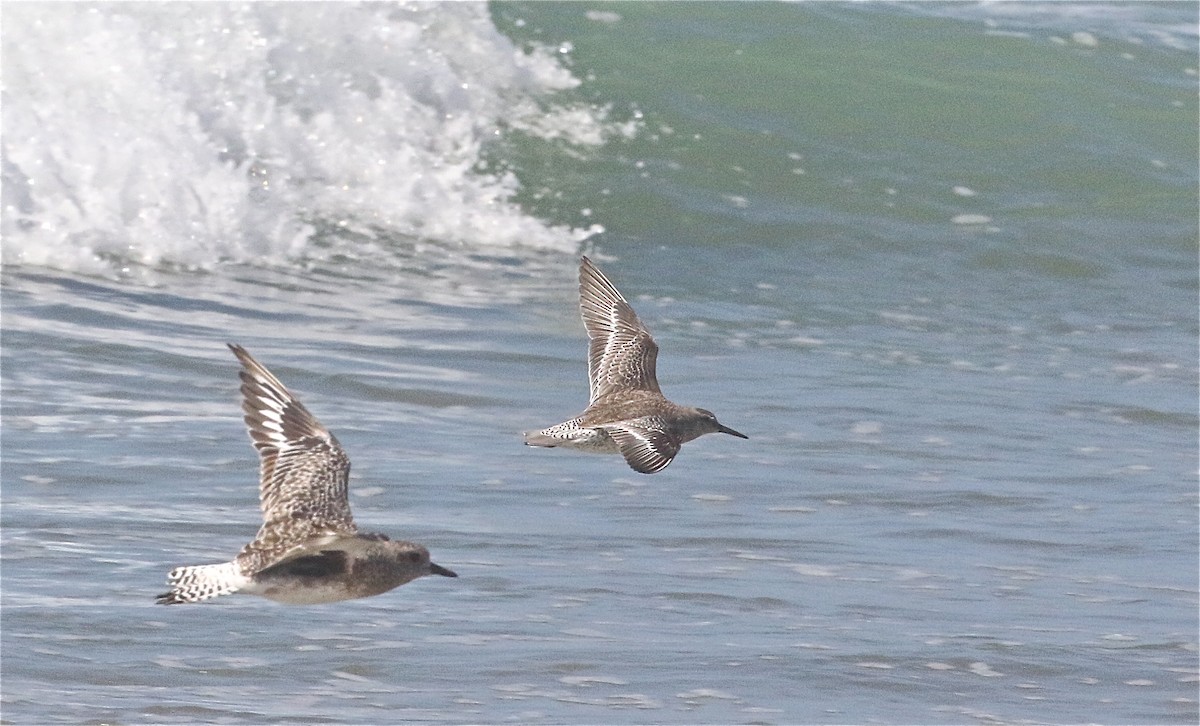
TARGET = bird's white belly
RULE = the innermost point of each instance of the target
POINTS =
(293, 591)
(594, 440)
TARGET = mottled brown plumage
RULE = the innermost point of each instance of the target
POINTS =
(627, 412)
(308, 549)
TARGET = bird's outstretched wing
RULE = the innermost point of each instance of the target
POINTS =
(621, 352)
(304, 472)
(647, 447)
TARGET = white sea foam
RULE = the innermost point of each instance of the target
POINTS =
(188, 134)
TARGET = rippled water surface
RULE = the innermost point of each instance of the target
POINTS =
(945, 280)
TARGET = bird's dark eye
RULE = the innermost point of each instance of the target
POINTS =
(414, 557)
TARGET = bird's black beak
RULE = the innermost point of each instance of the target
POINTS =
(731, 432)
(435, 569)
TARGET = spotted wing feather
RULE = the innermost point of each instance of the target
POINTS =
(304, 472)
(646, 449)
(621, 352)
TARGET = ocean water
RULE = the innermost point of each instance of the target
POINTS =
(938, 261)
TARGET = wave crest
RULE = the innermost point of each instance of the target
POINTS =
(164, 134)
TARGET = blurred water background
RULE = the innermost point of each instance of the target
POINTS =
(937, 260)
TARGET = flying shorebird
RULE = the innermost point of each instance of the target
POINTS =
(308, 550)
(627, 412)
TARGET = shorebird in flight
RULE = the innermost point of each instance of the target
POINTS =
(627, 412)
(308, 549)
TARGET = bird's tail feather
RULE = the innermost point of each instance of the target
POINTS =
(537, 438)
(200, 582)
